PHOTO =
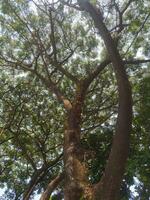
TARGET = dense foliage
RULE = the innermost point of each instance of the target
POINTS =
(49, 44)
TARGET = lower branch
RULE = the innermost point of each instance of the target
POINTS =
(38, 176)
(51, 186)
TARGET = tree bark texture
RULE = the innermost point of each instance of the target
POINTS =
(76, 174)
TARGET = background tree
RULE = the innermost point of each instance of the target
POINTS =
(60, 86)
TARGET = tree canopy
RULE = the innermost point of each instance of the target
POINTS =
(67, 69)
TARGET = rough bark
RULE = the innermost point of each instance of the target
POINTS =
(108, 187)
(76, 178)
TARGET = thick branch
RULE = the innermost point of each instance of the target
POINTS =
(109, 186)
(136, 62)
(51, 186)
(96, 72)
(87, 81)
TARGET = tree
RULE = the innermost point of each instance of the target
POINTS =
(70, 56)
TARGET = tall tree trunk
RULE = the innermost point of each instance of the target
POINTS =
(76, 174)
(109, 186)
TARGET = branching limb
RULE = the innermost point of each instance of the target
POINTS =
(41, 48)
(88, 80)
(51, 187)
(138, 32)
(47, 82)
(38, 176)
(126, 6)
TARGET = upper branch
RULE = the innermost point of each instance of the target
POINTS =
(88, 80)
(138, 32)
(41, 48)
(126, 6)
(52, 35)
(47, 82)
